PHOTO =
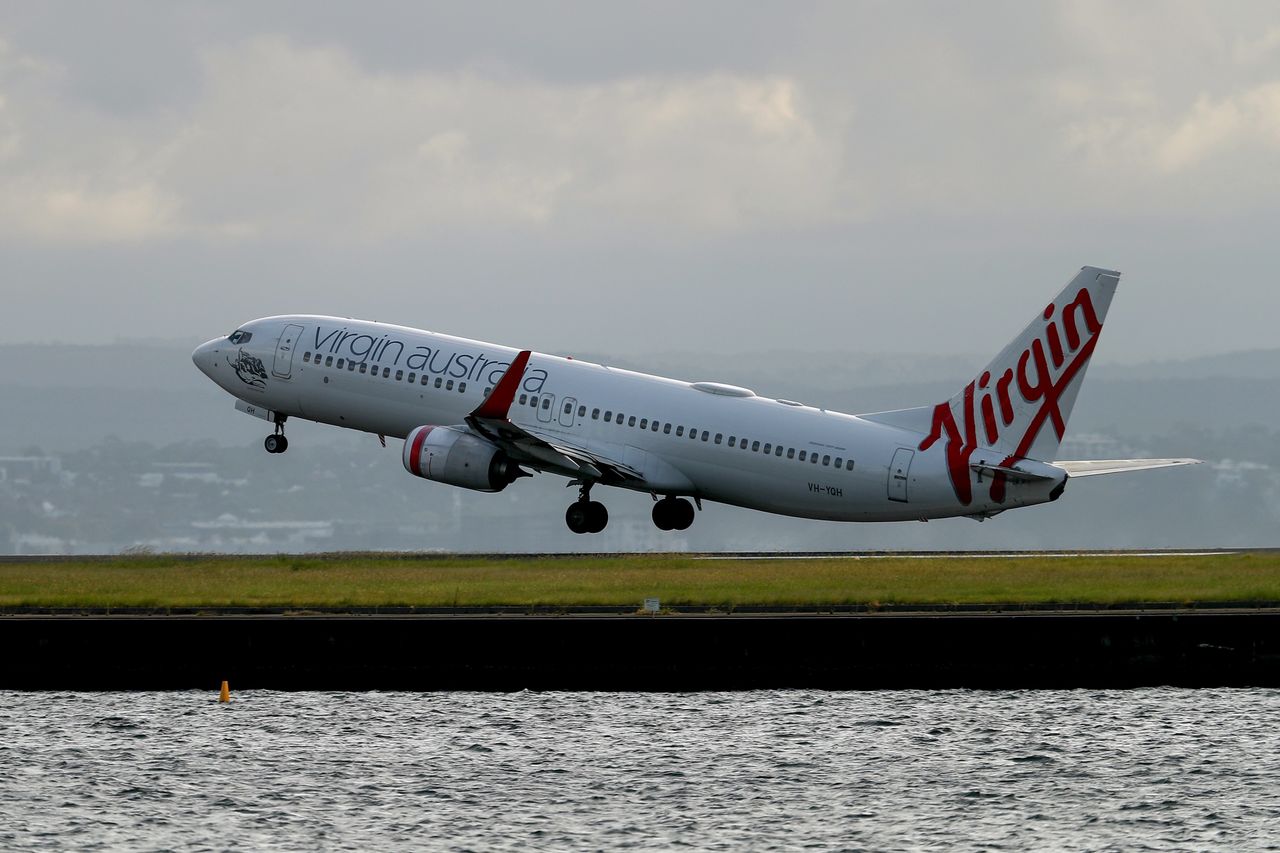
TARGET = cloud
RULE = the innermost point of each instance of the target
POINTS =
(286, 140)
(1217, 128)
(871, 114)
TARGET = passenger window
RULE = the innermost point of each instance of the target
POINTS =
(644, 423)
(306, 358)
(619, 418)
(399, 375)
(768, 448)
(654, 426)
(386, 373)
(680, 431)
(755, 447)
(743, 444)
(803, 453)
(364, 368)
(328, 362)
(595, 414)
(826, 459)
(462, 387)
(412, 378)
(439, 382)
(733, 442)
(524, 398)
(848, 464)
(705, 435)
(568, 408)
(546, 403)
(487, 391)
(791, 453)
(582, 411)
(666, 429)
(448, 386)
(340, 364)
(719, 436)
(608, 417)
(839, 461)
(631, 421)
(813, 457)
(424, 380)
(778, 450)
(533, 402)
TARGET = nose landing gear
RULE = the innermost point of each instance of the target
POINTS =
(585, 515)
(672, 513)
(277, 443)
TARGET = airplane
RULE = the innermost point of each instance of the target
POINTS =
(481, 416)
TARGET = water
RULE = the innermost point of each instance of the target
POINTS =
(1066, 770)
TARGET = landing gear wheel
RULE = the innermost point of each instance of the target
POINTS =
(673, 514)
(597, 517)
(662, 515)
(577, 517)
(682, 514)
(277, 443)
(586, 516)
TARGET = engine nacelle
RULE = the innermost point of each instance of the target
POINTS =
(457, 457)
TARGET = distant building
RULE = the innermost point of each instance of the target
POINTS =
(230, 533)
(30, 469)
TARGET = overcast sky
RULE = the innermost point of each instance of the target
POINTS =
(858, 177)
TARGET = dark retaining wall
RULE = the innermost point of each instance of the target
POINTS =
(669, 652)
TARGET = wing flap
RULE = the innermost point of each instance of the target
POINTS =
(1094, 467)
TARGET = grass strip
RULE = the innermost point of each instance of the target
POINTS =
(375, 580)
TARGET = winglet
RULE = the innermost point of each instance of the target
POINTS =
(498, 403)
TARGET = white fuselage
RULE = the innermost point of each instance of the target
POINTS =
(702, 440)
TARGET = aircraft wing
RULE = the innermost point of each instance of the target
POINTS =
(491, 419)
(1093, 467)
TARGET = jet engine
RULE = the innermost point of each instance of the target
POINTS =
(460, 458)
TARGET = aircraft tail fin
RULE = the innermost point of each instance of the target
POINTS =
(1018, 404)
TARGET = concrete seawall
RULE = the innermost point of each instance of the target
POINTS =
(336, 651)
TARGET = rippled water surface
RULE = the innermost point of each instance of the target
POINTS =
(1080, 770)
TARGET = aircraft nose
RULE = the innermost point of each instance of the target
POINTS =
(205, 357)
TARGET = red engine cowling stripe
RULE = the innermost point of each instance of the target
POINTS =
(415, 449)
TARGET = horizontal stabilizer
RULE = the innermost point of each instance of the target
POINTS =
(1093, 467)
(1013, 474)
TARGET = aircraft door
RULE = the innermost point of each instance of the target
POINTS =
(283, 365)
(547, 408)
(566, 411)
(899, 470)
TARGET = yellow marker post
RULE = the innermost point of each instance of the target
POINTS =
(224, 695)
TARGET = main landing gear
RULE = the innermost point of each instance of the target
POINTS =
(277, 443)
(585, 515)
(672, 513)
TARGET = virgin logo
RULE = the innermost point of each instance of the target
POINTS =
(1040, 377)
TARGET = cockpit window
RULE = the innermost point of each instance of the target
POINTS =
(240, 337)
